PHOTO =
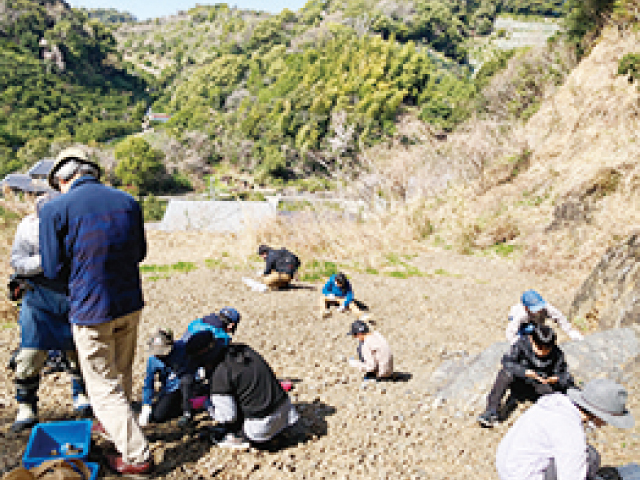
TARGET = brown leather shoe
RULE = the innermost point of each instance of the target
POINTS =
(132, 470)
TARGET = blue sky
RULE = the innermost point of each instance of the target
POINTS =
(159, 8)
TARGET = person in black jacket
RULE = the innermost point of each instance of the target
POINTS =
(247, 400)
(534, 366)
(280, 266)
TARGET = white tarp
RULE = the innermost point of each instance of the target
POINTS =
(215, 216)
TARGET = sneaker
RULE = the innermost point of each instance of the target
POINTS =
(233, 441)
(25, 419)
(81, 405)
(132, 470)
(488, 419)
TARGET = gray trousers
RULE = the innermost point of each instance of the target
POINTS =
(593, 464)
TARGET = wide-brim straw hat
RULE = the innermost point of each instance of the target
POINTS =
(606, 400)
(72, 153)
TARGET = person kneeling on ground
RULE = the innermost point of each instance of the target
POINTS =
(548, 440)
(531, 311)
(534, 366)
(281, 265)
(176, 363)
(336, 289)
(223, 324)
(374, 353)
(247, 399)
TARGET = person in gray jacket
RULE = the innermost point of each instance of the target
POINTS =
(44, 324)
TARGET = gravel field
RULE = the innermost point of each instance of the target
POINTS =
(347, 431)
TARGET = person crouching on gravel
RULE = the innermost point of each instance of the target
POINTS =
(531, 311)
(534, 366)
(176, 364)
(222, 325)
(374, 354)
(338, 292)
(280, 267)
(247, 400)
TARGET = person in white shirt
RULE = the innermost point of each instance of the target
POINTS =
(531, 311)
(374, 354)
(548, 441)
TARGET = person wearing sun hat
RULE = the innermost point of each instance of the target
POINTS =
(548, 441)
(534, 310)
(92, 239)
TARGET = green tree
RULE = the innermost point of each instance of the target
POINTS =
(139, 165)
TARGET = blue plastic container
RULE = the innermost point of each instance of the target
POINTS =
(93, 468)
(49, 441)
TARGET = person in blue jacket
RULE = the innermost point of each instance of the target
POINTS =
(223, 324)
(177, 364)
(338, 291)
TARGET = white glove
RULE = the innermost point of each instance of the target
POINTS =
(354, 363)
(574, 335)
(145, 416)
(341, 308)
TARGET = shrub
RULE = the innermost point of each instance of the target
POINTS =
(139, 165)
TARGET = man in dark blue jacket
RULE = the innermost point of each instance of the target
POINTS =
(280, 266)
(92, 238)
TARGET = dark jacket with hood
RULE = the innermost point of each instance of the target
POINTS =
(277, 261)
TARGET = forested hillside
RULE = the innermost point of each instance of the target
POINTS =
(61, 80)
(302, 93)
(282, 97)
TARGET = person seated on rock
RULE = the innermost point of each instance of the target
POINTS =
(247, 400)
(548, 441)
(338, 292)
(534, 366)
(531, 311)
(280, 267)
(223, 324)
(177, 365)
(374, 354)
(44, 323)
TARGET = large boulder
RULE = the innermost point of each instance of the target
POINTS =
(465, 381)
(611, 295)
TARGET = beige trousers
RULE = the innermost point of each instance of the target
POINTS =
(325, 303)
(277, 280)
(106, 353)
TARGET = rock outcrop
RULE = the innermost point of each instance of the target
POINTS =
(465, 381)
(611, 295)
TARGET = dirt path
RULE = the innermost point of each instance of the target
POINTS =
(381, 431)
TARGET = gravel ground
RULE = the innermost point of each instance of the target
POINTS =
(386, 430)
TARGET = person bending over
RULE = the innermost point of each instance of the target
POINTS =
(374, 354)
(338, 291)
(247, 399)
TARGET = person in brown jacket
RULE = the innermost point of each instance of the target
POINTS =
(374, 354)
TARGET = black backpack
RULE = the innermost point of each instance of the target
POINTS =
(288, 262)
